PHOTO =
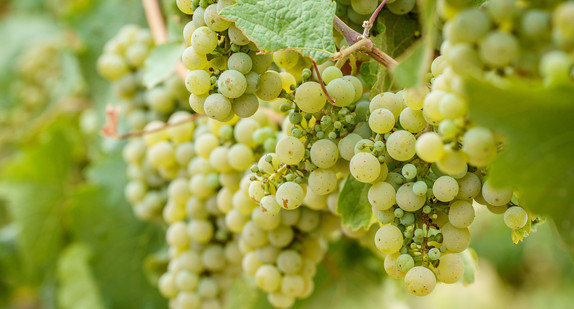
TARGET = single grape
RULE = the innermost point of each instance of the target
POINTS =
(498, 49)
(203, 40)
(420, 281)
(496, 196)
(331, 73)
(408, 200)
(290, 150)
(365, 167)
(232, 84)
(455, 239)
(389, 239)
(286, 59)
(322, 181)
(382, 196)
(290, 195)
(269, 86)
(381, 121)
(429, 147)
(450, 269)
(342, 91)
(460, 213)
(405, 262)
(197, 82)
(401, 145)
(515, 217)
(445, 188)
(420, 188)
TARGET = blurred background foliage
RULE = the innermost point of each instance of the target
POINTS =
(68, 238)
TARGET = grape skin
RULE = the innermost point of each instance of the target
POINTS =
(382, 196)
(401, 145)
(461, 213)
(515, 217)
(389, 239)
(290, 150)
(290, 195)
(450, 269)
(365, 167)
(454, 239)
(420, 281)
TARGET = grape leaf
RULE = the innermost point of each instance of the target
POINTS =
(77, 288)
(304, 25)
(410, 71)
(160, 64)
(353, 204)
(537, 159)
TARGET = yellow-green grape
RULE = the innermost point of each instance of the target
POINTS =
(401, 145)
(414, 97)
(288, 81)
(240, 157)
(454, 239)
(429, 147)
(161, 154)
(468, 186)
(515, 217)
(290, 150)
(390, 266)
(184, 6)
(240, 62)
(496, 196)
(231, 84)
(389, 239)
(453, 162)
(112, 66)
(382, 196)
(292, 285)
(270, 86)
(286, 59)
(401, 7)
(365, 167)
(309, 97)
(420, 281)
(453, 106)
(412, 120)
(204, 40)
(499, 49)
(381, 121)
(197, 82)
(183, 131)
(197, 102)
(213, 20)
(280, 300)
(236, 36)
(480, 146)
(268, 278)
(192, 60)
(347, 146)
(322, 181)
(269, 205)
(408, 200)
(364, 7)
(431, 109)
(450, 269)
(357, 84)
(245, 106)
(445, 188)
(324, 153)
(218, 107)
(460, 214)
(342, 91)
(331, 73)
(290, 195)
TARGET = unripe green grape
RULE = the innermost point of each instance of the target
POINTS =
(453, 106)
(453, 162)
(204, 40)
(445, 188)
(382, 196)
(347, 146)
(480, 146)
(434, 254)
(455, 239)
(389, 239)
(232, 84)
(261, 62)
(498, 49)
(405, 262)
(409, 171)
(407, 219)
(364, 145)
(112, 66)
(309, 97)
(365, 167)
(286, 59)
(401, 145)
(240, 62)
(266, 166)
(390, 266)
(450, 269)
(381, 121)
(192, 60)
(390, 101)
(198, 82)
(420, 188)
(408, 200)
(218, 107)
(469, 186)
(461, 214)
(236, 36)
(342, 91)
(213, 20)
(322, 181)
(401, 7)
(324, 153)
(469, 26)
(331, 73)
(515, 217)
(290, 150)
(269, 86)
(496, 196)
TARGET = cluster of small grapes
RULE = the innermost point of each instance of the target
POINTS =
(355, 12)
(226, 74)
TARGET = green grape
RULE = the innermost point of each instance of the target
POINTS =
(390, 266)
(167, 286)
(176, 235)
(324, 153)
(253, 235)
(407, 219)
(264, 220)
(365, 167)
(515, 217)
(431, 110)
(244, 131)
(409, 171)
(453, 106)
(280, 300)
(331, 73)
(267, 254)
(281, 236)
(261, 62)
(269, 205)
(136, 54)
(213, 20)
(401, 145)
(498, 49)
(252, 79)
(251, 263)
(112, 66)
(200, 231)
(290, 195)
(192, 60)
(384, 216)
(204, 145)
(358, 86)
(450, 269)
(183, 131)
(463, 59)
(460, 213)
(256, 191)
(236, 36)
(496, 196)
(401, 7)
(269, 86)
(420, 188)
(232, 84)
(286, 59)
(288, 81)
(480, 146)
(218, 107)
(438, 66)
(213, 258)
(356, 17)
(208, 288)
(245, 106)
(322, 181)
(389, 239)
(134, 151)
(160, 100)
(184, 6)
(412, 120)
(186, 281)
(204, 40)
(364, 7)
(135, 191)
(445, 188)
(161, 154)
(381, 121)
(434, 254)
(448, 129)
(390, 101)
(290, 150)
(469, 26)
(555, 67)
(197, 103)
(292, 285)
(382, 196)
(347, 146)
(240, 62)
(221, 4)
(405, 262)
(309, 97)
(364, 145)
(408, 200)
(240, 157)
(453, 162)
(420, 281)
(535, 24)
(469, 186)
(309, 220)
(342, 91)
(188, 30)
(197, 82)
(289, 262)
(455, 239)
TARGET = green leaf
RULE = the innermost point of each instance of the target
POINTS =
(77, 288)
(160, 64)
(470, 260)
(353, 204)
(537, 159)
(393, 34)
(520, 234)
(369, 72)
(410, 72)
(304, 25)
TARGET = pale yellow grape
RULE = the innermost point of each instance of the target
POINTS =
(347, 146)
(453, 106)
(240, 157)
(200, 231)
(315, 201)
(381, 121)
(445, 188)
(268, 167)
(365, 167)
(290, 195)
(198, 82)
(309, 97)
(453, 162)
(420, 281)
(455, 239)
(480, 146)
(496, 196)
(450, 269)
(292, 285)
(197, 102)
(390, 266)
(322, 181)
(382, 196)
(213, 20)
(414, 97)
(280, 300)
(286, 59)
(288, 81)
(401, 145)
(176, 235)
(183, 131)
(389, 239)
(167, 285)
(460, 213)
(155, 137)
(468, 186)
(431, 105)
(161, 154)
(268, 278)
(342, 91)
(357, 84)
(324, 153)
(515, 217)
(290, 150)
(219, 159)
(204, 40)
(244, 130)
(264, 220)
(408, 200)
(429, 147)
(289, 262)
(193, 60)
(256, 190)
(390, 101)
(412, 120)
(331, 73)
(186, 280)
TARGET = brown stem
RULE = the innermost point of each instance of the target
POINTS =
(321, 82)
(369, 24)
(165, 126)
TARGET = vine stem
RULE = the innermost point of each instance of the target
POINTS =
(369, 24)
(158, 29)
(329, 97)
